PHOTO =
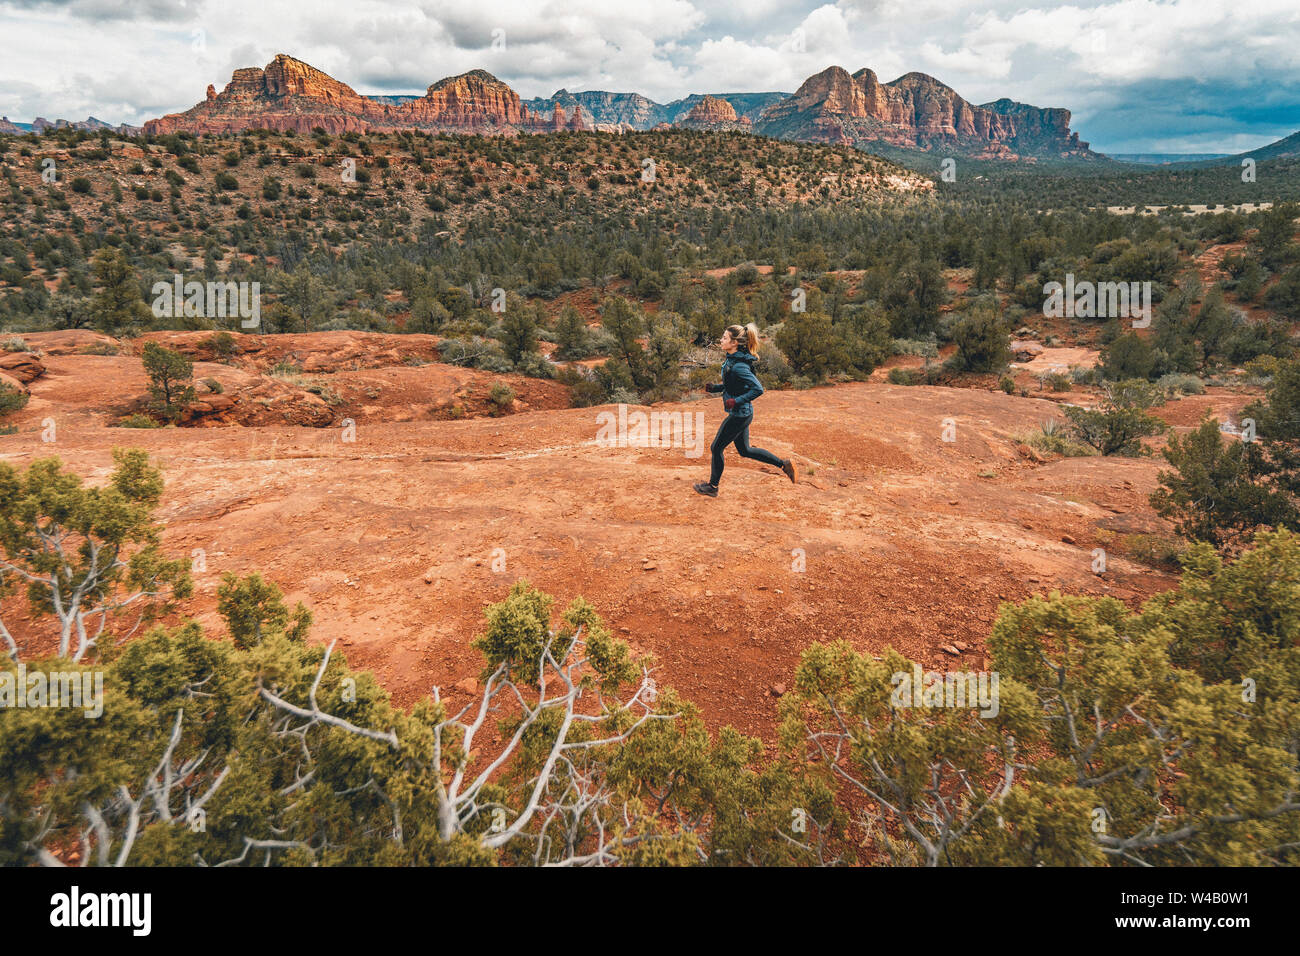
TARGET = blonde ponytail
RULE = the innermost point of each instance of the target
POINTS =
(745, 336)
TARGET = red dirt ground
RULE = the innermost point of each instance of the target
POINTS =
(390, 539)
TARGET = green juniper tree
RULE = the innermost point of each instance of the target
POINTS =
(171, 380)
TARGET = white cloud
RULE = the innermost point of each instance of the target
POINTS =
(1230, 60)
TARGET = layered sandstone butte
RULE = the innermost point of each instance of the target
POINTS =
(916, 111)
(291, 95)
(1051, 125)
(712, 113)
(287, 95)
(474, 102)
(477, 102)
(747, 105)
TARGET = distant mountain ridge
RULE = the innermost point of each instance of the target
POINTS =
(1288, 147)
(914, 112)
(42, 125)
(1162, 159)
(632, 111)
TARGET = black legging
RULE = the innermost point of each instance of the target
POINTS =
(735, 428)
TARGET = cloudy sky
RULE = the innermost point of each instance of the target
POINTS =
(1138, 75)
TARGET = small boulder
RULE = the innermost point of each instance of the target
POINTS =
(1025, 350)
(13, 383)
(24, 366)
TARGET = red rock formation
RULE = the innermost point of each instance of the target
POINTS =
(914, 111)
(472, 102)
(558, 123)
(712, 113)
(24, 366)
(288, 94)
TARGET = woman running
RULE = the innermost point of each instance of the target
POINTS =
(739, 387)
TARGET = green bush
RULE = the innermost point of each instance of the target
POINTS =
(1052, 439)
(501, 396)
(982, 339)
(139, 421)
(1112, 430)
(12, 399)
(223, 345)
(584, 389)
(809, 343)
(1181, 384)
(535, 365)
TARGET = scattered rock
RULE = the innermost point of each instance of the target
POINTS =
(71, 341)
(1025, 350)
(468, 685)
(24, 366)
(211, 404)
(14, 384)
